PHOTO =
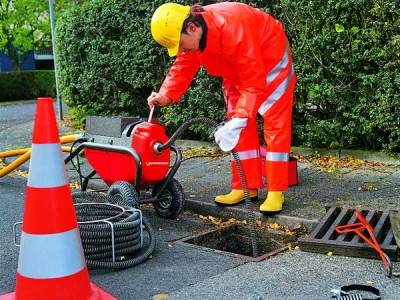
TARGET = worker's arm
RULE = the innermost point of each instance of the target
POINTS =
(180, 76)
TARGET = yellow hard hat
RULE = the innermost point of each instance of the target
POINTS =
(166, 25)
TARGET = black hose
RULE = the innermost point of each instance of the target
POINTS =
(250, 212)
(97, 236)
(182, 129)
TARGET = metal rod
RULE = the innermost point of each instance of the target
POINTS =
(151, 114)
(53, 41)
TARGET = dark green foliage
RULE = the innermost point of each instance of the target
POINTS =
(109, 63)
(203, 99)
(347, 56)
(26, 85)
(346, 53)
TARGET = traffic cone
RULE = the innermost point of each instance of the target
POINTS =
(51, 263)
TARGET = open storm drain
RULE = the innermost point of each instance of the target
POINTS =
(235, 241)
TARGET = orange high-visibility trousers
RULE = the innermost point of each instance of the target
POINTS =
(276, 111)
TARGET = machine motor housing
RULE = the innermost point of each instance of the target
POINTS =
(133, 132)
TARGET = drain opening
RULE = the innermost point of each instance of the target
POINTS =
(235, 241)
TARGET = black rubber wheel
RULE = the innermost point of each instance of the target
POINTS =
(123, 193)
(172, 202)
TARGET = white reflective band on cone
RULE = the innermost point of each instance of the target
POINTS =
(56, 255)
(276, 94)
(279, 67)
(249, 154)
(47, 168)
(277, 156)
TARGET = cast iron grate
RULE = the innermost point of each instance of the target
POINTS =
(324, 238)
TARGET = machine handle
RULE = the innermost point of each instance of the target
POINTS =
(151, 114)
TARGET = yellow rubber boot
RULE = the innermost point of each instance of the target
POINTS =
(234, 197)
(273, 203)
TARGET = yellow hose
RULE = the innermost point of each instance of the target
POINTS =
(15, 152)
(65, 149)
(68, 139)
(15, 164)
(26, 154)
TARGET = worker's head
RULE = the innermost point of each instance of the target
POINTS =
(175, 27)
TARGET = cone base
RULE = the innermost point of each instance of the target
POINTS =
(96, 294)
(9, 296)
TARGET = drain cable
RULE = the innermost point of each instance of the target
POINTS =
(111, 231)
(243, 181)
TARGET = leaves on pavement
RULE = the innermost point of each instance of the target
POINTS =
(190, 153)
(298, 230)
(336, 164)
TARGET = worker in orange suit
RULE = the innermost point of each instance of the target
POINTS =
(248, 48)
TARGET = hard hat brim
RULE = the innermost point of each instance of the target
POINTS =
(173, 51)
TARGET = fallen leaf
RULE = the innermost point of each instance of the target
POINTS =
(275, 226)
(160, 296)
(330, 253)
(74, 185)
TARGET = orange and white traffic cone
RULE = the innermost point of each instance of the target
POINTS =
(51, 263)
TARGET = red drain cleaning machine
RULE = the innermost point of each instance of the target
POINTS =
(133, 158)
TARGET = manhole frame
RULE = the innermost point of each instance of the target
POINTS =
(246, 258)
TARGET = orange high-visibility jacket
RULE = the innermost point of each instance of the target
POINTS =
(239, 48)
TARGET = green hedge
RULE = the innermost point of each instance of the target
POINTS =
(26, 85)
(108, 63)
(346, 54)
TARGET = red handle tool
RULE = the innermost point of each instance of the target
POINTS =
(358, 228)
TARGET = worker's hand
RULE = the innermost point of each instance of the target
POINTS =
(228, 133)
(158, 99)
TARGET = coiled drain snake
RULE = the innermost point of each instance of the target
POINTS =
(111, 231)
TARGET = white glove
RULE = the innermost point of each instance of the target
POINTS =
(227, 134)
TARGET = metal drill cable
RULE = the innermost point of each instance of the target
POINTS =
(185, 126)
(350, 297)
(250, 212)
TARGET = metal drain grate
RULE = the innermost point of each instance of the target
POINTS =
(324, 239)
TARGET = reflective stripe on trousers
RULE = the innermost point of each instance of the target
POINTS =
(279, 67)
(277, 156)
(251, 165)
(249, 154)
(276, 94)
